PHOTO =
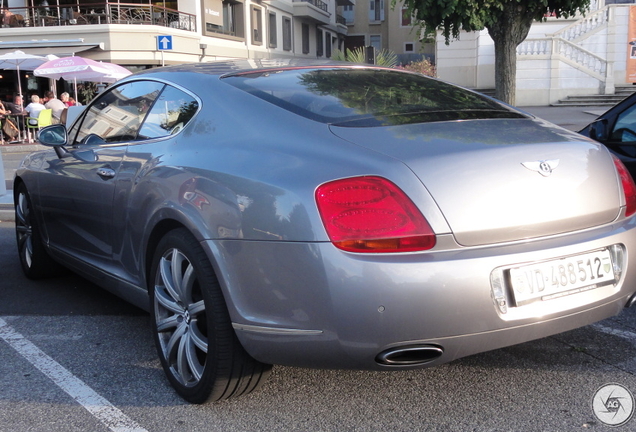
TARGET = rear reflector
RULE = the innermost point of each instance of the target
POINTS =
(629, 188)
(371, 214)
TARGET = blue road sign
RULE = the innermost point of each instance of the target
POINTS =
(164, 43)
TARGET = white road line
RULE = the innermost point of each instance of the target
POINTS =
(630, 336)
(99, 407)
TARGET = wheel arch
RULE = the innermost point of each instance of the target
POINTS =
(160, 229)
(156, 234)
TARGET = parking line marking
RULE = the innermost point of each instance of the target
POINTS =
(99, 407)
(630, 336)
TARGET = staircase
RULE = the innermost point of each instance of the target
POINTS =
(571, 47)
(622, 91)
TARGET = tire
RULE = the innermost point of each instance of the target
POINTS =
(197, 346)
(34, 259)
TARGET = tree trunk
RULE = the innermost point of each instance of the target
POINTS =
(505, 70)
(508, 30)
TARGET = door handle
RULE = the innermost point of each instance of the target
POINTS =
(105, 172)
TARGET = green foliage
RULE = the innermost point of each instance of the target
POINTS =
(386, 58)
(88, 90)
(383, 57)
(424, 67)
(452, 16)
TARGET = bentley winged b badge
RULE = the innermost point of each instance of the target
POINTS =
(544, 167)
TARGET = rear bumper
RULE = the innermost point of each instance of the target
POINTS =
(312, 305)
(328, 352)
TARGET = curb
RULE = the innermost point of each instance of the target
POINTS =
(7, 213)
(21, 148)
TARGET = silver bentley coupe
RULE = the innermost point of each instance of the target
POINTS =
(326, 215)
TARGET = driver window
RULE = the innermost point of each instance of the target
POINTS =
(625, 127)
(117, 114)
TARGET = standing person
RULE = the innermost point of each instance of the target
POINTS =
(7, 15)
(55, 104)
(33, 110)
(3, 112)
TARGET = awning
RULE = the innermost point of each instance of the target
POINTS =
(60, 47)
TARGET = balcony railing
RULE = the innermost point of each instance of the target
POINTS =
(318, 3)
(341, 20)
(98, 13)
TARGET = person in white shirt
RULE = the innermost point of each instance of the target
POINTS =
(55, 104)
(33, 109)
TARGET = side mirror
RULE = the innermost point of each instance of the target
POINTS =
(55, 136)
(599, 130)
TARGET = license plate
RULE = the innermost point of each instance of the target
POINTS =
(560, 277)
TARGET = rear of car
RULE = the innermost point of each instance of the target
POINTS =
(500, 229)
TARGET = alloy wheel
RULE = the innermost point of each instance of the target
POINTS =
(24, 229)
(180, 318)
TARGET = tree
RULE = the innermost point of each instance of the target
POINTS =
(508, 23)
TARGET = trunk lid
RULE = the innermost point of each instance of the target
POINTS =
(502, 180)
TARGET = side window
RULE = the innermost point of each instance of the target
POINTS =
(117, 114)
(172, 110)
(625, 127)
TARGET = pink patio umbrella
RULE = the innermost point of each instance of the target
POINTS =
(81, 69)
(117, 72)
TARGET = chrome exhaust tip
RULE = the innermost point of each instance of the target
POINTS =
(412, 355)
(631, 301)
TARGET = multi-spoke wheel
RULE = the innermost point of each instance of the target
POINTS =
(199, 351)
(34, 259)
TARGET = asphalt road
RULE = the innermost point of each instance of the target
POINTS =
(68, 347)
(75, 358)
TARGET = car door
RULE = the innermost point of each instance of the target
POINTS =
(78, 195)
(617, 130)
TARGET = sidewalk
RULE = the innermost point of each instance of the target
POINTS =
(6, 201)
(571, 118)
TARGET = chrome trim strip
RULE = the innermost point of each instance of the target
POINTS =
(275, 330)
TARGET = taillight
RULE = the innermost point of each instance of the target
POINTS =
(371, 214)
(629, 188)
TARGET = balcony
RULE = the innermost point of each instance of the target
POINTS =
(315, 10)
(97, 14)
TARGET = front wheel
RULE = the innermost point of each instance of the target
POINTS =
(197, 346)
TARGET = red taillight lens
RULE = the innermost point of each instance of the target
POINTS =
(371, 214)
(629, 188)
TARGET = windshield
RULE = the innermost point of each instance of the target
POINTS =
(367, 97)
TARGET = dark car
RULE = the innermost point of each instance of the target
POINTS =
(326, 216)
(616, 128)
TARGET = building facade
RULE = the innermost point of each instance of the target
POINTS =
(381, 24)
(133, 34)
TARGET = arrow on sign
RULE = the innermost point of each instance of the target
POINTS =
(164, 42)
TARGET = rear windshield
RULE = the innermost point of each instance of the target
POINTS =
(359, 97)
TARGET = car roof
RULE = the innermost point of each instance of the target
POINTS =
(223, 67)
